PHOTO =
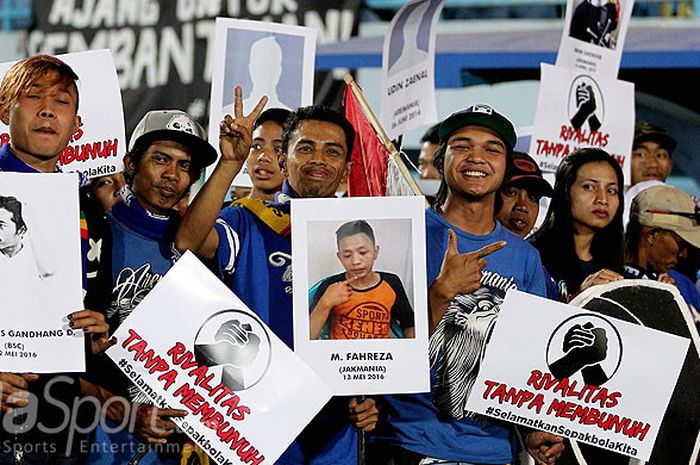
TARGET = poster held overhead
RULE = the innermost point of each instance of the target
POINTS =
(246, 392)
(576, 110)
(40, 273)
(408, 68)
(594, 35)
(265, 59)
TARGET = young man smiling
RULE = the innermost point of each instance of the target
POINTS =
(464, 297)
(253, 247)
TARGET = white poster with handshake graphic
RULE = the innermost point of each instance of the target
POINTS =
(193, 345)
(578, 374)
(576, 110)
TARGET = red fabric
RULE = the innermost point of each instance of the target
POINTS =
(369, 157)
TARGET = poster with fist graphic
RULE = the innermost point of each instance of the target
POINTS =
(360, 318)
(579, 374)
(576, 110)
(246, 393)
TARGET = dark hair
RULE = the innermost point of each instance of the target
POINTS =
(555, 239)
(354, 227)
(432, 135)
(23, 74)
(276, 115)
(439, 164)
(14, 206)
(318, 113)
(137, 153)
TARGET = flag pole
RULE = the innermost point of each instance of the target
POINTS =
(383, 137)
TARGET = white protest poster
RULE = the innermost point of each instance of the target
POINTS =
(97, 148)
(360, 313)
(248, 395)
(40, 273)
(576, 110)
(408, 68)
(265, 59)
(594, 34)
(578, 374)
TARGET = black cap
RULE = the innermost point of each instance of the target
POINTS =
(479, 115)
(526, 173)
(645, 131)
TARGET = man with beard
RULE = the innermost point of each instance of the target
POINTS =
(464, 295)
(252, 247)
(167, 152)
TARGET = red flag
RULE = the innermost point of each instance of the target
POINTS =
(369, 156)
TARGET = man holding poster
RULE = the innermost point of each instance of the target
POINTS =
(39, 102)
(464, 297)
(167, 152)
(253, 247)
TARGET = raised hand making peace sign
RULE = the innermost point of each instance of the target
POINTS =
(236, 134)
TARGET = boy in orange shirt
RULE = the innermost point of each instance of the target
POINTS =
(360, 303)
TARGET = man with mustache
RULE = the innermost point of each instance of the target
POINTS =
(252, 246)
(167, 151)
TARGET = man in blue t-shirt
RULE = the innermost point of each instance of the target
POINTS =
(465, 293)
(252, 246)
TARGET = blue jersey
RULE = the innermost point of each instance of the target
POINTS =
(435, 424)
(256, 263)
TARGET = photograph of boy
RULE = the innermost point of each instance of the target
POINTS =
(17, 259)
(360, 303)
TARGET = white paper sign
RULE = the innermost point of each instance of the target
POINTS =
(40, 273)
(192, 344)
(576, 110)
(97, 148)
(594, 34)
(360, 314)
(578, 374)
(265, 59)
(408, 68)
